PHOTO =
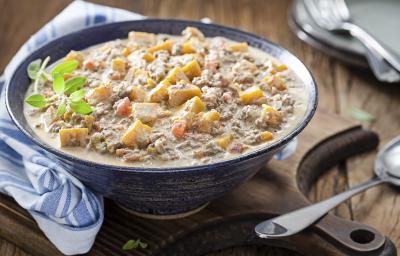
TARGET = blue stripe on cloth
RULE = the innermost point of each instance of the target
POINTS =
(82, 214)
(67, 200)
(9, 178)
(92, 201)
(51, 201)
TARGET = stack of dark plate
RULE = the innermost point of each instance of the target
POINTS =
(380, 18)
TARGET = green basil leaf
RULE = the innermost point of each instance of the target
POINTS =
(80, 107)
(65, 67)
(61, 109)
(74, 83)
(33, 69)
(58, 83)
(77, 96)
(36, 100)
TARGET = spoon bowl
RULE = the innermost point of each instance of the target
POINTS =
(386, 168)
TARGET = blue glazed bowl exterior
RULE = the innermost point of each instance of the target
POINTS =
(161, 191)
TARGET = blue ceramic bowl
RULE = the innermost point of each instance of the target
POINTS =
(158, 191)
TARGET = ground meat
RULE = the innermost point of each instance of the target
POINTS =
(211, 96)
(197, 82)
(161, 145)
(249, 113)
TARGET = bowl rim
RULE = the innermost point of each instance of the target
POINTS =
(310, 111)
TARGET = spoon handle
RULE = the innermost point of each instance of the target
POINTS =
(294, 222)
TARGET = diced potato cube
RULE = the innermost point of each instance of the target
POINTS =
(280, 67)
(99, 93)
(179, 95)
(142, 38)
(150, 82)
(176, 75)
(190, 32)
(195, 105)
(187, 48)
(212, 115)
(88, 122)
(137, 135)
(126, 52)
(167, 45)
(237, 47)
(275, 81)
(73, 137)
(224, 141)
(270, 115)
(251, 95)
(137, 94)
(119, 65)
(148, 57)
(192, 69)
(146, 112)
(159, 93)
(207, 120)
(266, 136)
(74, 55)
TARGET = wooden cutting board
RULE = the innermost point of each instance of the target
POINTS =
(229, 221)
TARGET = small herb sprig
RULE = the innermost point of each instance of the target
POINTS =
(134, 244)
(70, 91)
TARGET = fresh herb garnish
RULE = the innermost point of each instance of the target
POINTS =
(77, 96)
(134, 244)
(40, 74)
(33, 69)
(36, 100)
(361, 115)
(71, 87)
(80, 107)
(74, 83)
(65, 67)
(61, 108)
(58, 83)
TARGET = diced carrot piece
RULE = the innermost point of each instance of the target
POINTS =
(178, 128)
(88, 64)
(124, 107)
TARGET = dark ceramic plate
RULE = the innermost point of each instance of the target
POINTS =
(158, 191)
(381, 22)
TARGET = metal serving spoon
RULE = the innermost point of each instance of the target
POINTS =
(387, 169)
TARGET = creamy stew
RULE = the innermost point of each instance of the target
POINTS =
(156, 100)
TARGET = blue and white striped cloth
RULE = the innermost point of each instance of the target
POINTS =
(69, 214)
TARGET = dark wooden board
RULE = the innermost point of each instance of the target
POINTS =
(229, 221)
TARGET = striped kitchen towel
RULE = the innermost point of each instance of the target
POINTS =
(69, 214)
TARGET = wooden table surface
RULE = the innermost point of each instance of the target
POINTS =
(341, 87)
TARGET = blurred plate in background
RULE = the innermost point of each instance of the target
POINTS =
(380, 18)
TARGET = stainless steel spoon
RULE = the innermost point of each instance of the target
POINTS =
(387, 169)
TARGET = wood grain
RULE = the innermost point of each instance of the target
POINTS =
(341, 87)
